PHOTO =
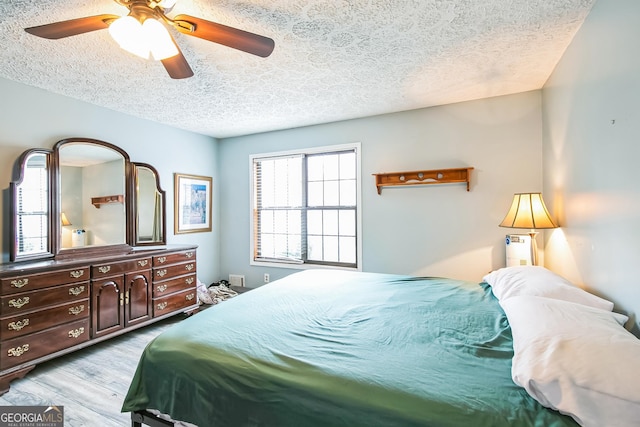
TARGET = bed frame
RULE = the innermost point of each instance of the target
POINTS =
(140, 418)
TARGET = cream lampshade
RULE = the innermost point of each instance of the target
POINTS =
(64, 220)
(529, 211)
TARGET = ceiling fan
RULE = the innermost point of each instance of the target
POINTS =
(143, 32)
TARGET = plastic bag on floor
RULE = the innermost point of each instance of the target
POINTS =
(220, 292)
(203, 294)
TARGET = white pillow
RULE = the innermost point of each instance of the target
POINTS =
(538, 281)
(576, 359)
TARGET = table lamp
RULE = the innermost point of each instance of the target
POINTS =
(528, 211)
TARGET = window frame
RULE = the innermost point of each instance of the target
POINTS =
(356, 147)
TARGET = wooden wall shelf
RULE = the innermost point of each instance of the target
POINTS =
(423, 177)
(99, 201)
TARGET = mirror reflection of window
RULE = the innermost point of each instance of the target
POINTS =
(32, 207)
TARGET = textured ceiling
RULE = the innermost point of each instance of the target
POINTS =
(333, 59)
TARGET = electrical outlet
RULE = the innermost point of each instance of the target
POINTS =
(266, 277)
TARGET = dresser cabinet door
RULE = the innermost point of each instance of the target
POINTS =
(107, 305)
(137, 301)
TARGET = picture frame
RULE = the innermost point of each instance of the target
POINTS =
(192, 203)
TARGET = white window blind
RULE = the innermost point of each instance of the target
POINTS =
(305, 208)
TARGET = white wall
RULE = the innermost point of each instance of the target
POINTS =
(591, 123)
(440, 230)
(32, 117)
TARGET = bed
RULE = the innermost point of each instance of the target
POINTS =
(337, 348)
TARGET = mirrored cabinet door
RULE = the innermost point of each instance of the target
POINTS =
(149, 206)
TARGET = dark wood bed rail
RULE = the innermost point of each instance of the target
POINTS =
(140, 418)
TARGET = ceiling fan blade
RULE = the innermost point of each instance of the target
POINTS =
(73, 27)
(177, 66)
(228, 36)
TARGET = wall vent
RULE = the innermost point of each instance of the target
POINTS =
(236, 280)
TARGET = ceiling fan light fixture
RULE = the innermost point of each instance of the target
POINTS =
(127, 32)
(150, 37)
(160, 42)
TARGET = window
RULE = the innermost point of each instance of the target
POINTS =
(305, 207)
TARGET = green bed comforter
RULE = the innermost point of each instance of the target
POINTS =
(330, 348)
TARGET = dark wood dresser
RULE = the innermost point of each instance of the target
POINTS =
(51, 308)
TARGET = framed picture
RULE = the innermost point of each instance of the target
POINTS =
(192, 209)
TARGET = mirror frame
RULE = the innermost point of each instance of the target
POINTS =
(65, 253)
(54, 204)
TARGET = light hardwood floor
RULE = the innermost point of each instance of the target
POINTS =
(90, 383)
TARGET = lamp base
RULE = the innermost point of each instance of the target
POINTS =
(534, 247)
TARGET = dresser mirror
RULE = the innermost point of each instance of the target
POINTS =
(149, 206)
(84, 198)
(31, 206)
(92, 194)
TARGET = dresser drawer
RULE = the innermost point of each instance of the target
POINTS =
(35, 321)
(114, 268)
(176, 284)
(174, 302)
(29, 347)
(29, 282)
(173, 258)
(164, 273)
(28, 301)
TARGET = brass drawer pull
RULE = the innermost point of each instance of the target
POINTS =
(75, 333)
(76, 310)
(20, 302)
(76, 273)
(189, 267)
(161, 273)
(19, 283)
(162, 259)
(189, 254)
(189, 280)
(162, 305)
(190, 297)
(76, 291)
(104, 269)
(162, 288)
(143, 262)
(16, 326)
(18, 351)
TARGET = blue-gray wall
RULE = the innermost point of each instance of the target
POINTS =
(591, 122)
(438, 230)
